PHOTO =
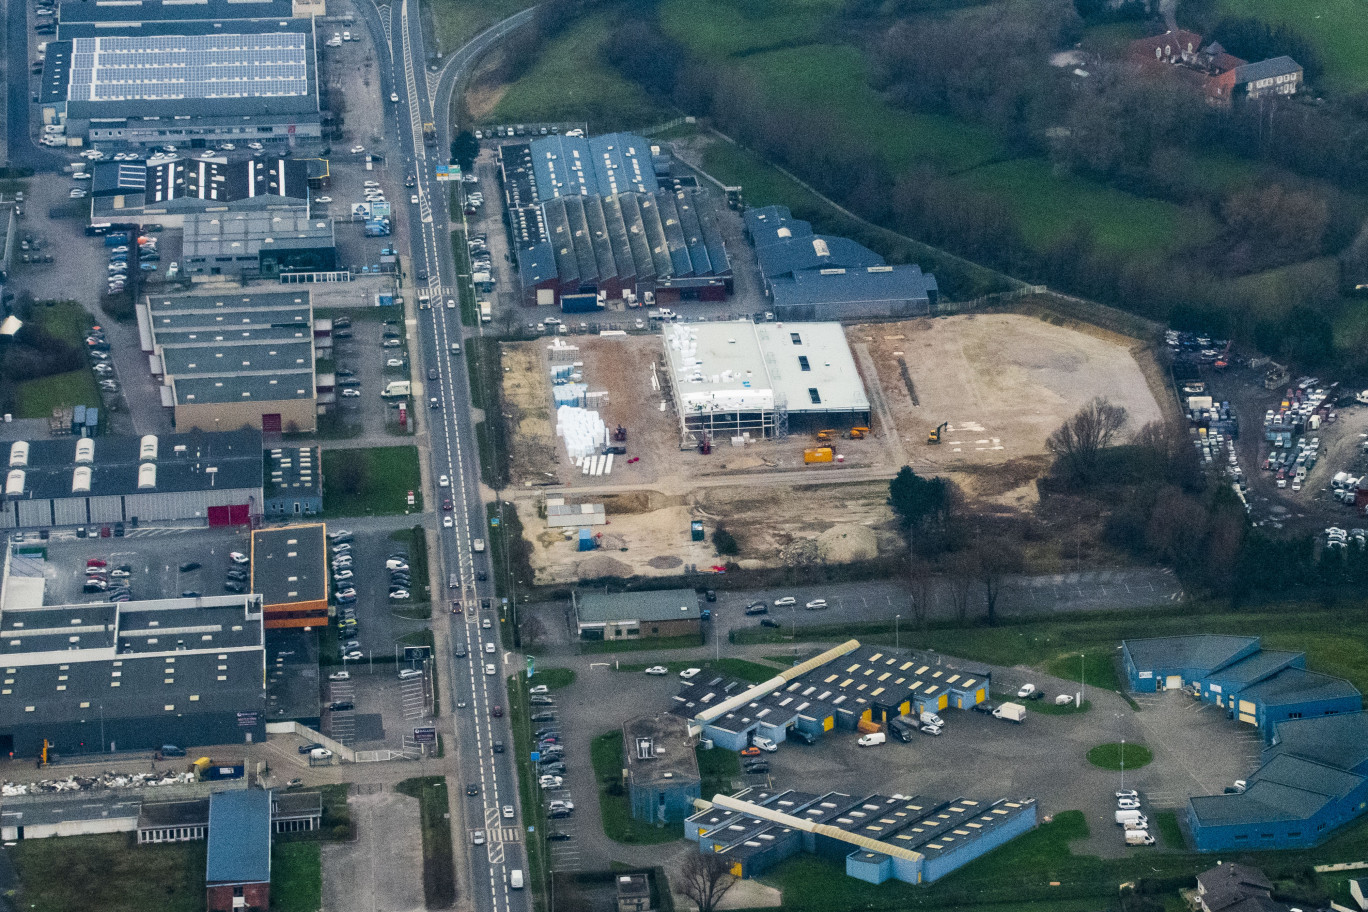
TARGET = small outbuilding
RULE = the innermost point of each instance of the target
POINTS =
(662, 769)
(238, 870)
(635, 615)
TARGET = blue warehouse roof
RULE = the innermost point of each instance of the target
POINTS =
(845, 286)
(536, 264)
(239, 837)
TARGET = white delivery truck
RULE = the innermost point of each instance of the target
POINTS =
(1138, 838)
(1132, 820)
(397, 389)
(872, 739)
(930, 718)
(486, 312)
(1012, 712)
(477, 545)
(515, 879)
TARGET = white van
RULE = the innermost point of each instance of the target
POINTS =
(410, 673)
(1132, 820)
(515, 879)
(872, 739)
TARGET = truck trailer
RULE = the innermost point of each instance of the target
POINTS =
(1012, 712)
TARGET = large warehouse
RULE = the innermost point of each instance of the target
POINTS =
(882, 837)
(763, 379)
(234, 360)
(290, 573)
(231, 246)
(192, 82)
(166, 192)
(133, 676)
(214, 478)
(590, 216)
(842, 689)
(820, 277)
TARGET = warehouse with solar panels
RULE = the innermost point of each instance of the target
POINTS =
(184, 82)
(591, 217)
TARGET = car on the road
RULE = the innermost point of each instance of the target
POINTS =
(478, 837)
(324, 199)
(434, 402)
(451, 304)
(340, 676)
(757, 608)
(689, 673)
(394, 97)
(816, 604)
(447, 522)
(443, 481)
(455, 348)
(498, 747)
(489, 647)
(413, 199)
(490, 669)
(472, 790)
(460, 651)
(446, 504)
(785, 601)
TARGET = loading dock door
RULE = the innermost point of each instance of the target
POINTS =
(1247, 712)
(1173, 682)
(220, 516)
(979, 695)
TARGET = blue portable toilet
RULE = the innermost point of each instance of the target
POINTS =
(586, 539)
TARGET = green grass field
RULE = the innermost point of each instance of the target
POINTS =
(296, 877)
(439, 869)
(715, 28)
(1048, 204)
(58, 875)
(457, 21)
(37, 398)
(387, 475)
(1120, 756)
(1170, 833)
(1337, 27)
(571, 82)
(554, 678)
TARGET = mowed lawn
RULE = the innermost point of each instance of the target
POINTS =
(109, 873)
(571, 82)
(719, 28)
(69, 322)
(384, 476)
(1049, 203)
(458, 21)
(1339, 28)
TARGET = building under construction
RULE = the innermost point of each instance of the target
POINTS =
(739, 379)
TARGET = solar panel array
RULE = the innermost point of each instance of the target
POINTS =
(169, 67)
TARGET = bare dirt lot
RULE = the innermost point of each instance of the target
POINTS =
(1003, 382)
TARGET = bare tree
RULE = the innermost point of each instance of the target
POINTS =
(997, 558)
(919, 589)
(961, 578)
(706, 878)
(1079, 441)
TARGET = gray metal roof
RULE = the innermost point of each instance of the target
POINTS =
(1266, 69)
(288, 564)
(174, 813)
(1254, 668)
(595, 166)
(1301, 773)
(243, 234)
(660, 605)
(239, 837)
(851, 286)
(182, 463)
(1297, 685)
(1262, 802)
(60, 809)
(1340, 740)
(1205, 651)
(659, 751)
(264, 388)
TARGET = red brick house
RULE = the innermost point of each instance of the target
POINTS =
(238, 871)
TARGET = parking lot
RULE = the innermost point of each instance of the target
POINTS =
(154, 558)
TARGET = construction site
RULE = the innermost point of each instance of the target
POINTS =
(786, 434)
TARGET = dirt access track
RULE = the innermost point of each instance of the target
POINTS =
(1003, 382)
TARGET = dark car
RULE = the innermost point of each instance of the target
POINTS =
(761, 767)
(472, 790)
(422, 275)
(544, 717)
(757, 608)
(341, 705)
(190, 593)
(342, 334)
(498, 747)
(557, 836)
(432, 373)
(234, 586)
(985, 707)
(305, 748)
(769, 622)
(240, 575)
(460, 650)
(188, 566)
(1035, 695)
(805, 737)
(558, 814)
(481, 575)
(345, 372)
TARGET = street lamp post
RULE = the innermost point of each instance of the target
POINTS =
(1082, 679)
(1123, 764)
(897, 618)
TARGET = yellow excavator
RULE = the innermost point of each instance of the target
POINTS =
(826, 436)
(858, 433)
(935, 436)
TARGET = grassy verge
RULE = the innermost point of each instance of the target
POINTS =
(415, 540)
(554, 678)
(615, 808)
(510, 559)
(1170, 833)
(37, 398)
(296, 877)
(439, 872)
(58, 875)
(460, 255)
(519, 715)
(1120, 756)
(717, 769)
(337, 820)
(595, 647)
(457, 21)
(1096, 670)
(371, 482)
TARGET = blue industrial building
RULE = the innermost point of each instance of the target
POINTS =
(881, 837)
(662, 770)
(837, 690)
(295, 485)
(821, 277)
(1314, 777)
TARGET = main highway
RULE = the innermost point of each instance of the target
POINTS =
(470, 691)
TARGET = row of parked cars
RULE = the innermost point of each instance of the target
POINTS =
(1131, 819)
(97, 345)
(110, 583)
(344, 595)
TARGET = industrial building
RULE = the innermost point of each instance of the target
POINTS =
(234, 245)
(882, 837)
(634, 615)
(820, 277)
(663, 780)
(295, 484)
(846, 688)
(238, 868)
(234, 360)
(96, 678)
(290, 573)
(109, 12)
(1255, 686)
(171, 81)
(166, 191)
(215, 478)
(761, 379)
(589, 217)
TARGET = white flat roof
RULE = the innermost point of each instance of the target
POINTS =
(747, 366)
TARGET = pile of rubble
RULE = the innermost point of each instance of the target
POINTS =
(104, 781)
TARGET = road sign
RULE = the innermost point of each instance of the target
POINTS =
(531, 666)
(536, 756)
(248, 719)
(494, 521)
(415, 653)
(444, 172)
(427, 735)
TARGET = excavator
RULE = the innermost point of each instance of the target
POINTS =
(858, 433)
(826, 436)
(935, 436)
